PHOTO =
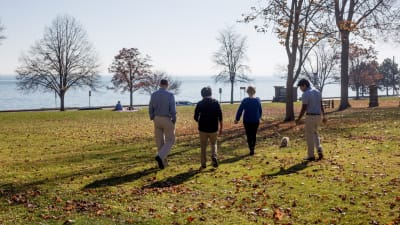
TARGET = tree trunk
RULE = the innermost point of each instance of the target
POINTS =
(62, 95)
(344, 72)
(289, 92)
(232, 91)
(131, 99)
(289, 100)
(291, 51)
(357, 93)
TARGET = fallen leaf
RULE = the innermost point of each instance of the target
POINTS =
(190, 219)
(278, 214)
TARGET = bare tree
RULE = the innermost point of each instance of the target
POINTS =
(2, 37)
(320, 66)
(129, 68)
(230, 58)
(364, 19)
(61, 60)
(151, 83)
(300, 25)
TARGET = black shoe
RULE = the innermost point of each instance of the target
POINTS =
(214, 162)
(320, 156)
(309, 159)
(160, 163)
(251, 152)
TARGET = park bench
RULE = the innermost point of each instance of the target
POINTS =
(328, 103)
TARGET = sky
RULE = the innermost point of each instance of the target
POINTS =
(178, 35)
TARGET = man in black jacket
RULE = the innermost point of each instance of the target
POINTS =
(208, 114)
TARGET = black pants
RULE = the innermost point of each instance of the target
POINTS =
(251, 131)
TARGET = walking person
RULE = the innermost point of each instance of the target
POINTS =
(208, 115)
(252, 112)
(162, 111)
(312, 107)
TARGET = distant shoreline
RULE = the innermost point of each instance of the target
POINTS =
(110, 107)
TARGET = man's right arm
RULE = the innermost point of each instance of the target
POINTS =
(151, 109)
(172, 108)
(302, 111)
(196, 113)
(220, 119)
(324, 120)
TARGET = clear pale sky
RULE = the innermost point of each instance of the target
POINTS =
(179, 35)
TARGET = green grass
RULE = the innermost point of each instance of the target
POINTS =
(98, 167)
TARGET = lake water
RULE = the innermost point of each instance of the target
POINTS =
(12, 99)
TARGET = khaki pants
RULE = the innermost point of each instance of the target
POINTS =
(164, 133)
(204, 137)
(312, 123)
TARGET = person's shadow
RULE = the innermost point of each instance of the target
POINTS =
(173, 181)
(233, 159)
(293, 169)
(182, 177)
(117, 180)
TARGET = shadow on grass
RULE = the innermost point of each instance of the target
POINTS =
(277, 126)
(173, 181)
(234, 159)
(293, 169)
(117, 180)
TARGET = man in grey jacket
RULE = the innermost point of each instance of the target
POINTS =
(162, 111)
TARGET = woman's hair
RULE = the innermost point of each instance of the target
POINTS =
(251, 90)
(206, 92)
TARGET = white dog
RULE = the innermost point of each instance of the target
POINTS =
(284, 142)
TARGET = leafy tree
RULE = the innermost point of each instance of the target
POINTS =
(391, 77)
(61, 60)
(363, 19)
(300, 25)
(1, 31)
(129, 68)
(320, 67)
(364, 75)
(151, 83)
(230, 58)
(361, 61)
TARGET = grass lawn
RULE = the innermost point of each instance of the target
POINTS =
(98, 167)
